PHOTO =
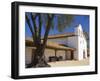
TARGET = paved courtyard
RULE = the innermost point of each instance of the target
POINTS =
(69, 63)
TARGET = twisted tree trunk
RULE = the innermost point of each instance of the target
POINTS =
(38, 58)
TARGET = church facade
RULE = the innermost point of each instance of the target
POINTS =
(68, 46)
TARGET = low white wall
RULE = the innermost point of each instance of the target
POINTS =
(28, 55)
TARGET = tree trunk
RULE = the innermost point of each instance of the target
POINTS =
(38, 58)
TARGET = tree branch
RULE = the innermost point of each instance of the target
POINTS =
(30, 27)
(40, 25)
(47, 29)
(34, 24)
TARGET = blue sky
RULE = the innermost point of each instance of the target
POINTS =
(78, 19)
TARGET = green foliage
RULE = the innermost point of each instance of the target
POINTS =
(62, 20)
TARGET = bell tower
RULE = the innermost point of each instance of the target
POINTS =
(81, 44)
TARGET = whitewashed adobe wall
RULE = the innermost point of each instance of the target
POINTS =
(28, 55)
(73, 42)
(81, 43)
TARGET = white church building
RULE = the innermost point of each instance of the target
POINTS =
(68, 46)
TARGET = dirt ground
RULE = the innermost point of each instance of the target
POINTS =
(69, 63)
